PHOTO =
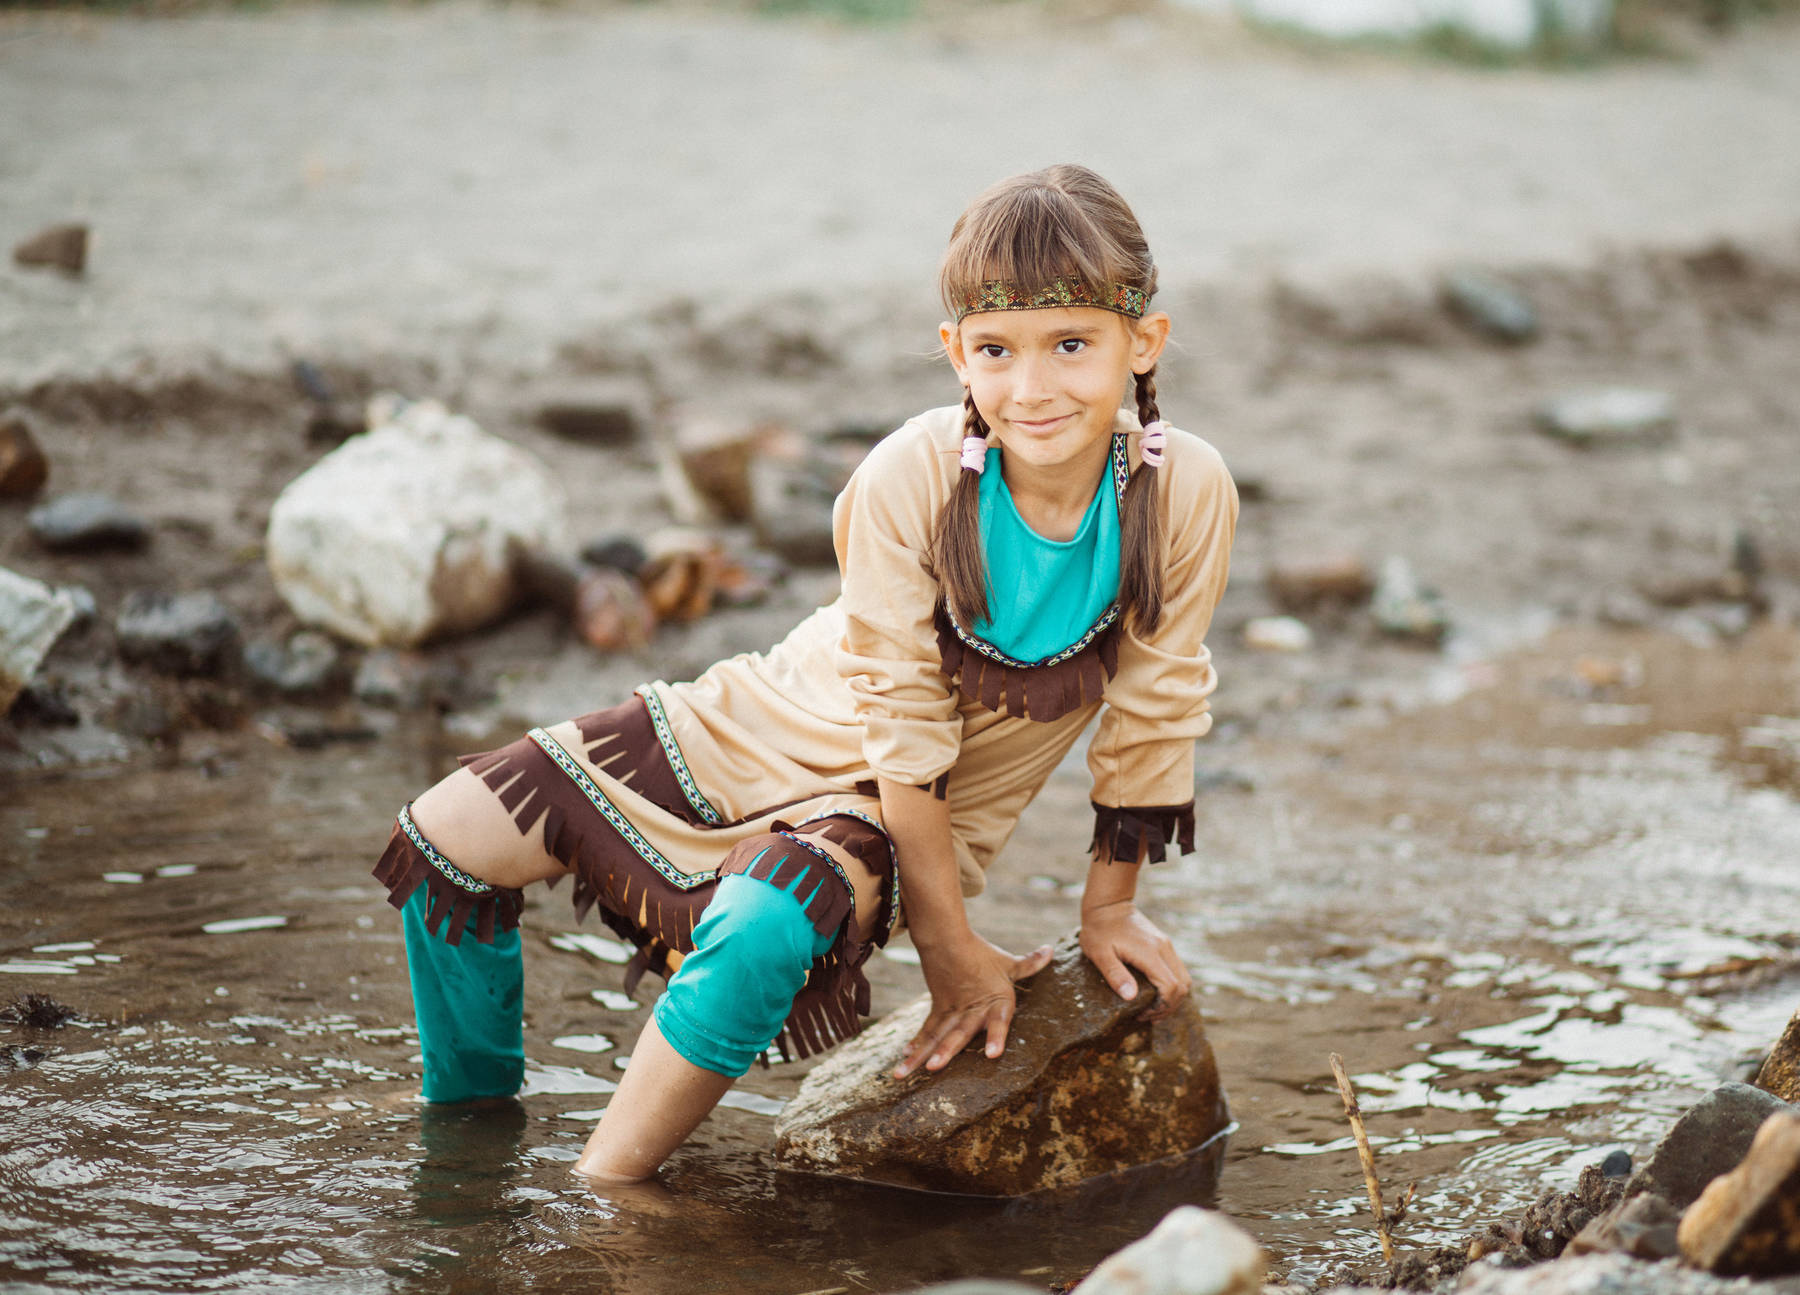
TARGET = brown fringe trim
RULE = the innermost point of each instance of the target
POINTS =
(622, 740)
(403, 868)
(1043, 693)
(1141, 834)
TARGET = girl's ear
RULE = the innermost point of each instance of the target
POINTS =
(1148, 338)
(950, 338)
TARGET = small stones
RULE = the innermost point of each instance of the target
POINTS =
(1278, 634)
(611, 612)
(1747, 1222)
(1191, 1252)
(1602, 416)
(307, 664)
(1404, 608)
(1341, 579)
(1780, 1072)
(1709, 1139)
(23, 466)
(1643, 1227)
(32, 617)
(57, 247)
(179, 634)
(1490, 306)
(87, 522)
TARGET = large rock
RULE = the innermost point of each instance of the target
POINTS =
(1191, 1252)
(32, 617)
(1748, 1221)
(1709, 1139)
(1085, 1087)
(408, 532)
(1780, 1073)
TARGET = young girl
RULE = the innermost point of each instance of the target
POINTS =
(1009, 569)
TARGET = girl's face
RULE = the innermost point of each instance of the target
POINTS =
(1049, 382)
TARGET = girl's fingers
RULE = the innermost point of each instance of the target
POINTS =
(1032, 963)
(1117, 974)
(998, 1022)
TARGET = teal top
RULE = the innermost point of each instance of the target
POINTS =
(1043, 595)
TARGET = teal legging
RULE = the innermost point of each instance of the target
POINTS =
(724, 1005)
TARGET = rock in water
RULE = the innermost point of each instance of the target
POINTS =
(61, 247)
(1747, 1222)
(178, 634)
(23, 467)
(1709, 1139)
(1490, 306)
(1780, 1074)
(32, 617)
(1609, 416)
(1085, 1087)
(407, 532)
(1191, 1252)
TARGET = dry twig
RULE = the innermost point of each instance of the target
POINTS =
(1367, 1157)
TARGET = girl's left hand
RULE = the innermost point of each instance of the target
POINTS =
(1117, 937)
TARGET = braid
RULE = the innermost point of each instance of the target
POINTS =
(1140, 527)
(956, 548)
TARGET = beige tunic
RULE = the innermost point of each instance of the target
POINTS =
(858, 690)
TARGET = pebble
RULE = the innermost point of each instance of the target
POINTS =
(608, 411)
(1609, 416)
(58, 247)
(1278, 634)
(1342, 579)
(180, 634)
(1191, 1252)
(620, 552)
(1404, 608)
(23, 466)
(612, 613)
(86, 522)
(1490, 306)
(309, 662)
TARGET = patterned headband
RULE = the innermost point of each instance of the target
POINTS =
(1070, 290)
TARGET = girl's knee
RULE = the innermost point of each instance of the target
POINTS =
(469, 825)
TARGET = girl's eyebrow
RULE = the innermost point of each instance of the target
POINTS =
(984, 337)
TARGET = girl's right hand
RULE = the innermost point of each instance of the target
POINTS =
(971, 983)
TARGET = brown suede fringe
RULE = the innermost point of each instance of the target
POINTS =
(1141, 833)
(403, 868)
(1040, 692)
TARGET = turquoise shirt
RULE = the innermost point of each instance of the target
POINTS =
(1043, 594)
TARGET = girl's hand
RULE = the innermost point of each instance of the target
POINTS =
(1116, 937)
(971, 983)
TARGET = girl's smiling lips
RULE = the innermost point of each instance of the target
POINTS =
(1040, 424)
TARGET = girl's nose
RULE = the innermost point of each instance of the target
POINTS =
(1030, 381)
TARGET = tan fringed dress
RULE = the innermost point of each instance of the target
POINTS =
(648, 802)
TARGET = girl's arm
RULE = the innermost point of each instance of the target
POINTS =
(971, 980)
(1116, 937)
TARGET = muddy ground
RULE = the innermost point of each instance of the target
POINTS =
(1535, 883)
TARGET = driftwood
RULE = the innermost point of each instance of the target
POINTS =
(1368, 1161)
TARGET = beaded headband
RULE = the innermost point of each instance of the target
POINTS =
(1003, 294)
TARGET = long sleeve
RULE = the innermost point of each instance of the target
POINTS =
(1142, 754)
(882, 526)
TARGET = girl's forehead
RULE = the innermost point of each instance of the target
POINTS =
(1049, 322)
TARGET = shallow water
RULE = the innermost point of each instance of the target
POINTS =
(1536, 921)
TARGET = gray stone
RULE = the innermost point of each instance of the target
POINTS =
(397, 680)
(1342, 580)
(32, 617)
(409, 532)
(791, 511)
(1490, 306)
(1603, 1274)
(58, 247)
(1191, 1252)
(1642, 1227)
(1708, 1140)
(1780, 1071)
(1609, 416)
(1086, 1087)
(610, 411)
(1404, 608)
(179, 634)
(84, 522)
(23, 467)
(1747, 1222)
(308, 663)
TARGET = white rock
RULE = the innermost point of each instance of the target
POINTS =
(1191, 1252)
(1278, 634)
(32, 617)
(405, 533)
(1513, 24)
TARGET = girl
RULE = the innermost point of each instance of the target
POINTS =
(1009, 570)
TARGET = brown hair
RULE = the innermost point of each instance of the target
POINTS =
(1031, 230)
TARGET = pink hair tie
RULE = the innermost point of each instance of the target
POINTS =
(1151, 446)
(974, 453)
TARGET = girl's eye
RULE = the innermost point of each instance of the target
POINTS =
(1071, 346)
(993, 350)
